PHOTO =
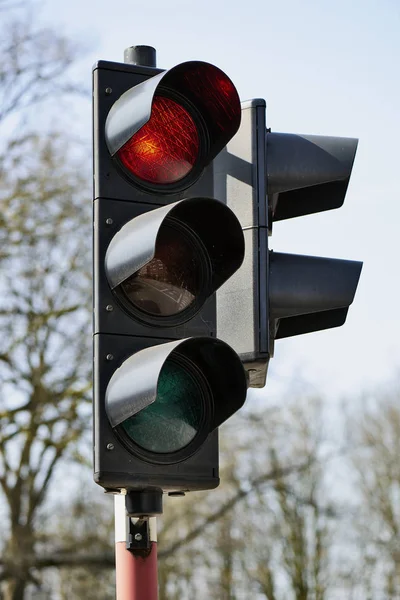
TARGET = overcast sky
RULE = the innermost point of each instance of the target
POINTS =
(323, 67)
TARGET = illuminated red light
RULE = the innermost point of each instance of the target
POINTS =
(166, 148)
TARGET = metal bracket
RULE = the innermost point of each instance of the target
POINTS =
(138, 538)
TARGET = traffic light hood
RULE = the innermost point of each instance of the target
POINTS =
(202, 89)
(309, 293)
(215, 225)
(227, 384)
(307, 173)
(281, 295)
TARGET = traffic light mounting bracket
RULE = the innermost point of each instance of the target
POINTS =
(242, 304)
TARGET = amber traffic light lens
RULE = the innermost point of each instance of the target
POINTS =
(173, 280)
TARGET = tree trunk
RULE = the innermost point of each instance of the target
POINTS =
(15, 588)
(18, 554)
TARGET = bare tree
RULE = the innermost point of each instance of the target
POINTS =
(297, 514)
(375, 431)
(269, 530)
(45, 320)
(44, 287)
(33, 60)
(75, 546)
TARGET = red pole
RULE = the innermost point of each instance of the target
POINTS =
(136, 575)
(136, 572)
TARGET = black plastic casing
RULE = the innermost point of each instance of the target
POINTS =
(116, 334)
(116, 467)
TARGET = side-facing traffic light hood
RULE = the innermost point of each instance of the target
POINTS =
(309, 293)
(307, 173)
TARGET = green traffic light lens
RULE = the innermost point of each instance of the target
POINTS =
(176, 416)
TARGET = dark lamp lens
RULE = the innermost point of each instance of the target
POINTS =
(166, 148)
(171, 281)
(173, 420)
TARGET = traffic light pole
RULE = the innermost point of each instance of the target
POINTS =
(135, 555)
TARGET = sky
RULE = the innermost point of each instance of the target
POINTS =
(323, 67)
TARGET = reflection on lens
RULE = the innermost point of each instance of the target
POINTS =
(174, 418)
(166, 148)
(171, 281)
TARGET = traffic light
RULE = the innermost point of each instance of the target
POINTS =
(163, 244)
(265, 177)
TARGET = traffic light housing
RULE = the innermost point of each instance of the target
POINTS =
(265, 177)
(187, 185)
(163, 245)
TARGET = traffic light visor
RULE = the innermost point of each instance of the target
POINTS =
(307, 173)
(165, 263)
(183, 390)
(165, 130)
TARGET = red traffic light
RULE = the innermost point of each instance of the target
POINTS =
(167, 129)
(166, 148)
